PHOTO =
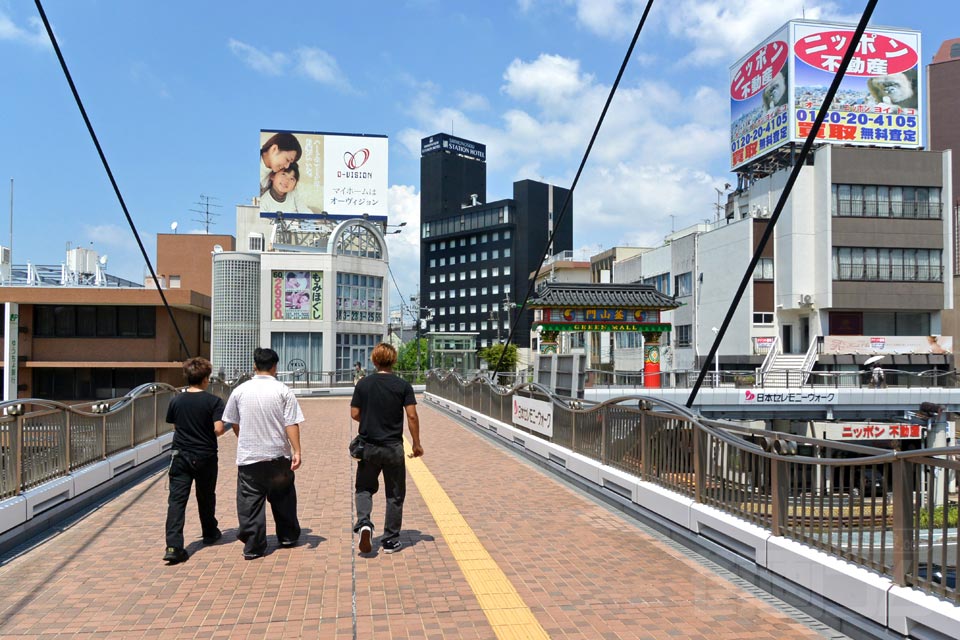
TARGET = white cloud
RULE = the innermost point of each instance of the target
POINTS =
(34, 35)
(271, 64)
(724, 30)
(322, 67)
(547, 80)
(404, 247)
(472, 101)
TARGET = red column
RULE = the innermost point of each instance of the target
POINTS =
(651, 363)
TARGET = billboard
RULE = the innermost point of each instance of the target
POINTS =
(445, 142)
(314, 173)
(297, 295)
(775, 99)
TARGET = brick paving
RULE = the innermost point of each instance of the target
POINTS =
(583, 570)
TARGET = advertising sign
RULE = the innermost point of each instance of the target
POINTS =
(535, 415)
(875, 345)
(315, 173)
(297, 295)
(879, 100)
(788, 397)
(759, 100)
(777, 90)
(11, 351)
(867, 431)
(444, 142)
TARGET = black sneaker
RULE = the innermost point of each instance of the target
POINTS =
(365, 546)
(252, 555)
(211, 539)
(286, 544)
(391, 546)
(175, 555)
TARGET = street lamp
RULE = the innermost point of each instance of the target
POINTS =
(716, 357)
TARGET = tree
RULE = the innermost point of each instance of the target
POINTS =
(407, 357)
(491, 355)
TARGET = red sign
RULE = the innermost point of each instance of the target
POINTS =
(876, 55)
(758, 70)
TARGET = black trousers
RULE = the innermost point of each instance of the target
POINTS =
(388, 460)
(185, 469)
(258, 483)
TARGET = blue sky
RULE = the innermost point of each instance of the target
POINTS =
(178, 92)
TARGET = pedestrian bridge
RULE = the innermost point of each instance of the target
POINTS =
(625, 521)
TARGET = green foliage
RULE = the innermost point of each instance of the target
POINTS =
(952, 517)
(491, 355)
(407, 357)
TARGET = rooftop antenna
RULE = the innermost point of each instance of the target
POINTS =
(206, 216)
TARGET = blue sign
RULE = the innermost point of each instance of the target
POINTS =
(444, 142)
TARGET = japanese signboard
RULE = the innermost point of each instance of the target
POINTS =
(535, 415)
(297, 295)
(874, 345)
(867, 431)
(774, 101)
(315, 173)
(444, 142)
(602, 326)
(11, 334)
(788, 396)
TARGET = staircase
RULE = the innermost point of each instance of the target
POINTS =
(785, 371)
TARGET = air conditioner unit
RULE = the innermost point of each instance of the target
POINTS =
(806, 299)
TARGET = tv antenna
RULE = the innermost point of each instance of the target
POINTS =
(206, 216)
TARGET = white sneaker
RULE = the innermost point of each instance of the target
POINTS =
(365, 545)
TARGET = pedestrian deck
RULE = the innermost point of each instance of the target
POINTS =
(494, 548)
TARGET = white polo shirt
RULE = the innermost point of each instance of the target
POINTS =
(263, 407)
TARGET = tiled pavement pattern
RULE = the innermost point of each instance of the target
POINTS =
(582, 570)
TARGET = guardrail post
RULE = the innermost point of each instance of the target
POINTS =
(603, 435)
(133, 422)
(103, 436)
(644, 446)
(66, 440)
(779, 495)
(19, 455)
(699, 463)
(573, 429)
(903, 542)
(156, 416)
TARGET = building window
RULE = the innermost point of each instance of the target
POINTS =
(357, 240)
(886, 264)
(433, 279)
(506, 253)
(684, 284)
(495, 254)
(359, 298)
(764, 270)
(495, 271)
(763, 318)
(506, 288)
(174, 282)
(352, 348)
(483, 308)
(684, 333)
(881, 201)
(255, 242)
(483, 255)
(433, 262)
(506, 234)
(72, 321)
(506, 271)
(661, 282)
(433, 295)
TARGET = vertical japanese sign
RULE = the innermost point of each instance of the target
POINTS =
(880, 98)
(11, 321)
(315, 173)
(759, 100)
(316, 295)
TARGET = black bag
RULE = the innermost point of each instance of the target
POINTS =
(356, 448)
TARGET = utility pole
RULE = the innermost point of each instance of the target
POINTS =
(206, 216)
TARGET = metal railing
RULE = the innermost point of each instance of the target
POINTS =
(883, 208)
(774, 378)
(41, 440)
(890, 511)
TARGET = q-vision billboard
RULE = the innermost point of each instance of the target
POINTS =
(777, 90)
(313, 173)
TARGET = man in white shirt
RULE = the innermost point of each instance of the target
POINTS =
(266, 417)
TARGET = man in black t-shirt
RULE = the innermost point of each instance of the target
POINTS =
(196, 416)
(379, 403)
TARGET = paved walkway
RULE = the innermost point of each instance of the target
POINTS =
(495, 548)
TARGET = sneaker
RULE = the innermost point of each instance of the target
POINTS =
(175, 555)
(365, 546)
(213, 538)
(391, 546)
(286, 544)
(252, 555)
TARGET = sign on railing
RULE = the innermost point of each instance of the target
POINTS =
(535, 415)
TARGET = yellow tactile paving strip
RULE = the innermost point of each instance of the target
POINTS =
(506, 611)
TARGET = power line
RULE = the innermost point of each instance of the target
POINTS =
(106, 166)
(788, 187)
(576, 179)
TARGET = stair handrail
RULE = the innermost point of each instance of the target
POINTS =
(768, 361)
(811, 357)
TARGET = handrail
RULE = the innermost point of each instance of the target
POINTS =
(878, 508)
(811, 356)
(768, 360)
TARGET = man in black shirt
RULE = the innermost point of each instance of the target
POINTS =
(196, 416)
(379, 404)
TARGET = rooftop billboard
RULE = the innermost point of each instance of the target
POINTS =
(777, 90)
(315, 173)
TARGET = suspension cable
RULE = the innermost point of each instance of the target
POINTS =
(576, 179)
(106, 166)
(794, 173)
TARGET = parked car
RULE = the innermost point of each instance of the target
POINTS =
(939, 574)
